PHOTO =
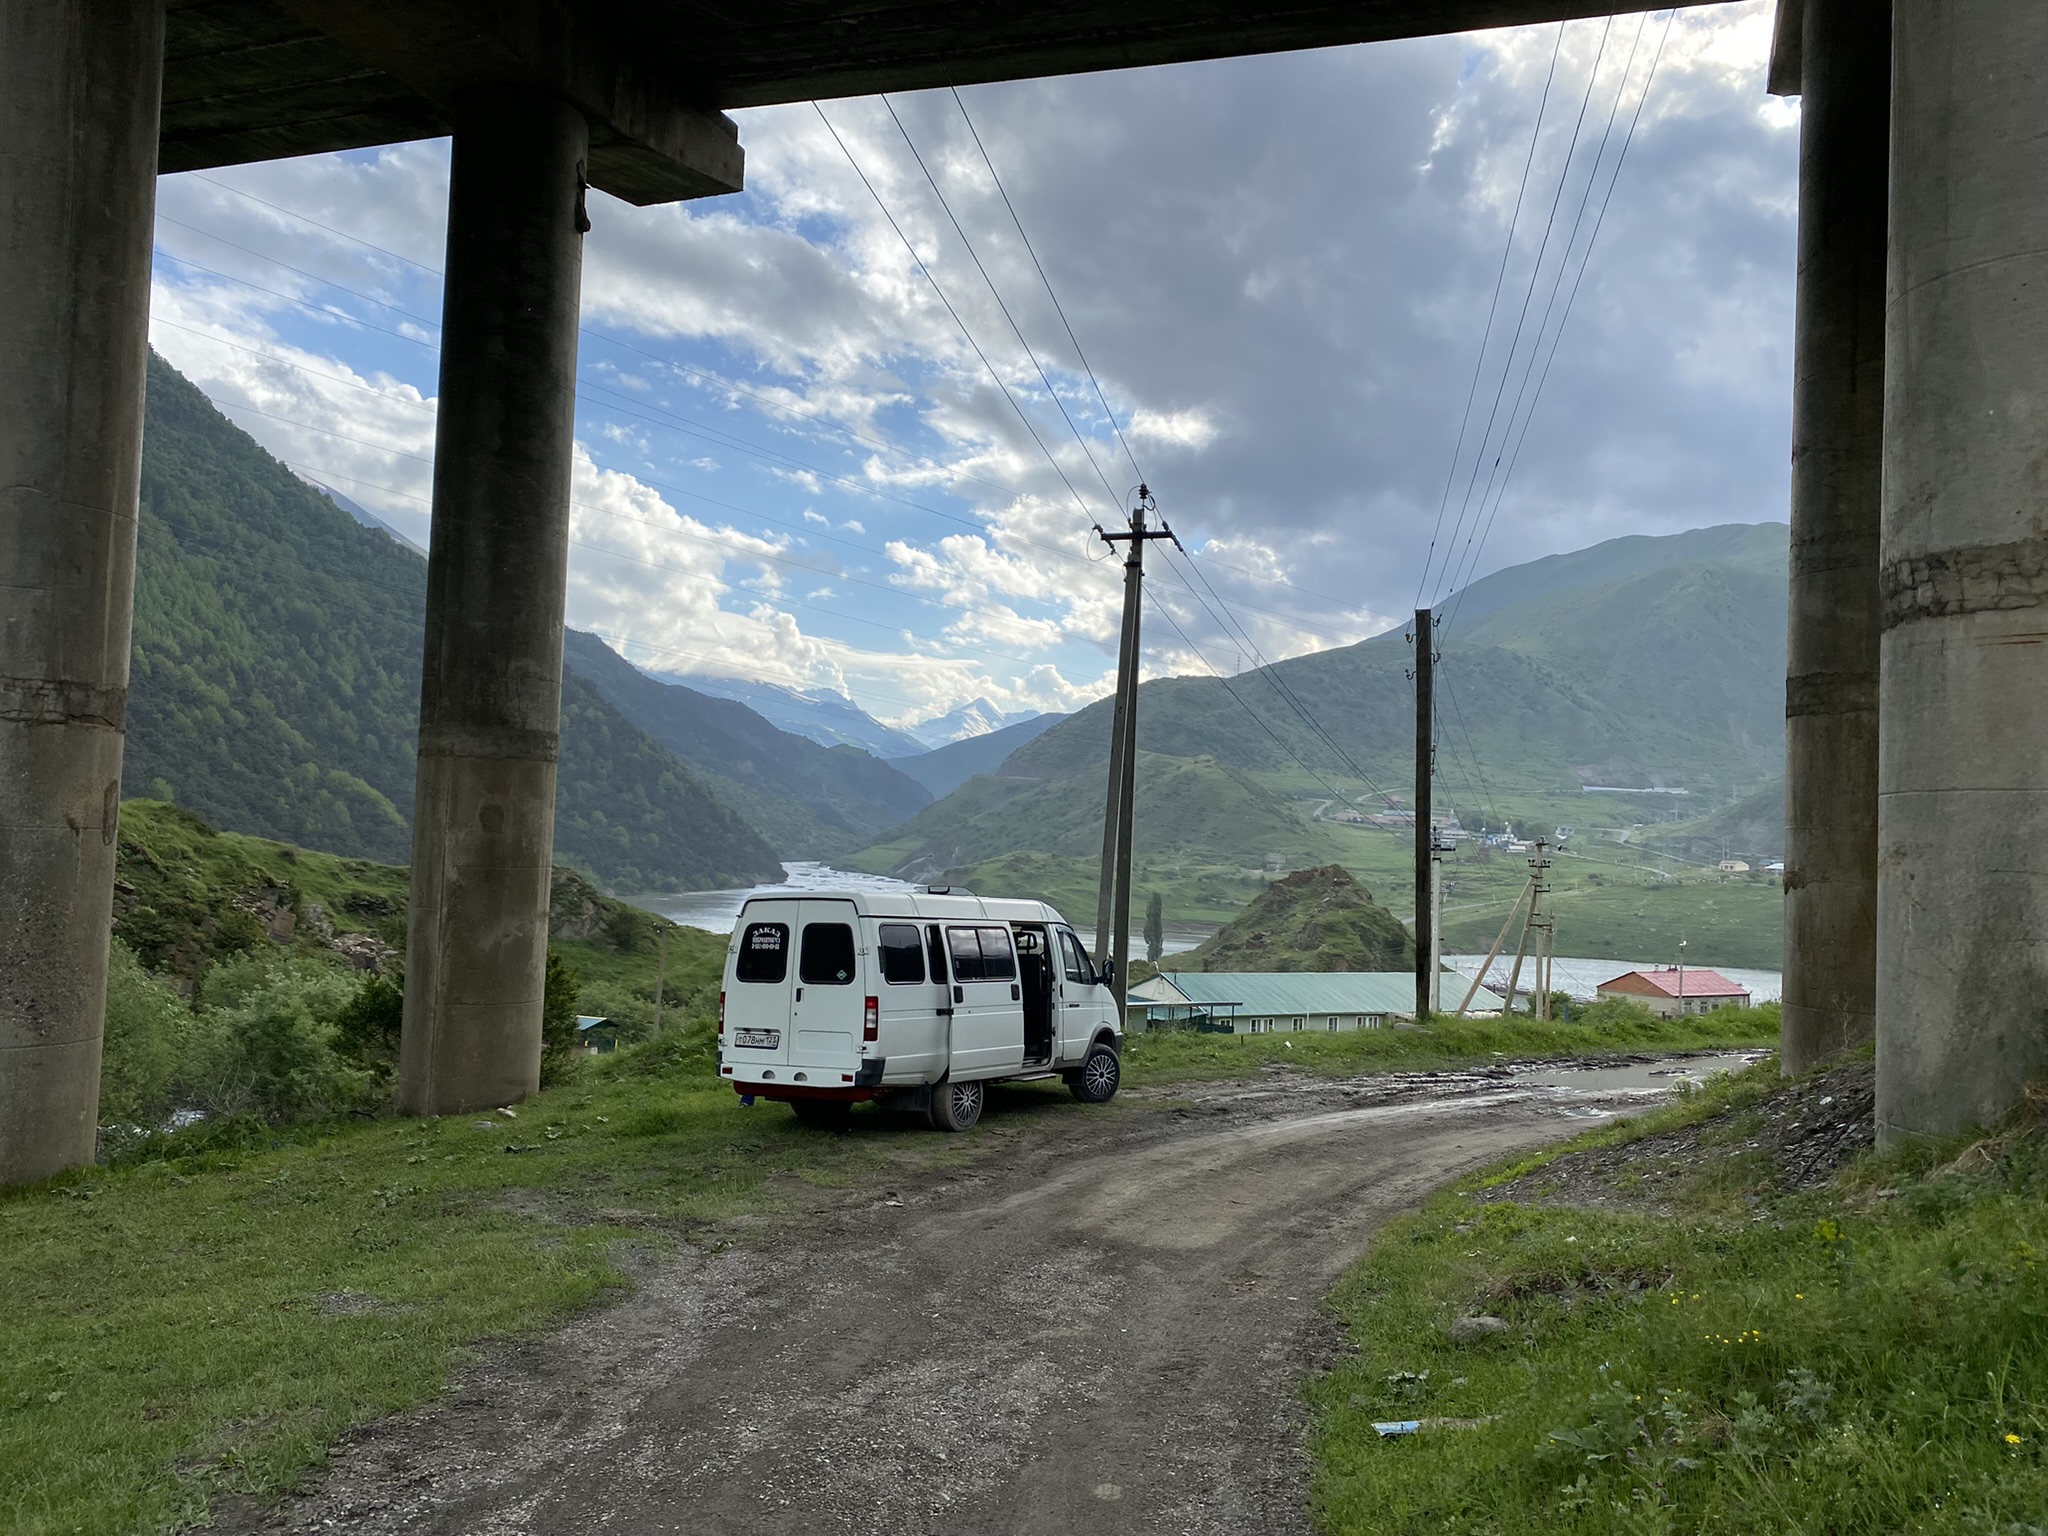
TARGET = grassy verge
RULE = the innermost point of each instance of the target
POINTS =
(1731, 1356)
(211, 1318)
(1176, 1057)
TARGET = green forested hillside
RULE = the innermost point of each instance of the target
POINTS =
(1639, 663)
(1675, 675)
(809, 800)
(275, 687)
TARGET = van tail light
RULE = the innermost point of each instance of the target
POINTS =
(721, 1015)
(871, 1020)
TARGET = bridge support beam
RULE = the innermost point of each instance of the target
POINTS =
(1962, 907)
(490, 698)
(79, 87)
(1831, 723)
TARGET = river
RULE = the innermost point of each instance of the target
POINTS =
(716, 911)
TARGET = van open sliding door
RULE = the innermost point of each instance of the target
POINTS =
(988, 1007)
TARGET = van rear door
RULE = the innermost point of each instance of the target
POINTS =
(761, 983)
(988, 1008)
(830, 998)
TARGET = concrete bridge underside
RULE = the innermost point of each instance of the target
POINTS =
(1917, 716)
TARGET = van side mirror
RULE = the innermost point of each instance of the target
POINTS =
(1108, 977)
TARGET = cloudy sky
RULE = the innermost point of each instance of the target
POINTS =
(794, 464)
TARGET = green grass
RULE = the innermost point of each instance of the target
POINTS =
(210, 1321)
(1182, 1056)
(1871, 1357)
(211, 1318)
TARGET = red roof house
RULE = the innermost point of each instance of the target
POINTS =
(1669, 991)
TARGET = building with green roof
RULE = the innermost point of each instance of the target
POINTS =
(1273, 1002)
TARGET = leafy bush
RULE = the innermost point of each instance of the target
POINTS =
(366, 1029)
(149, 1043)
(271, 1037)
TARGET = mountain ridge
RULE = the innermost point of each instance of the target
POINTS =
(275, 676)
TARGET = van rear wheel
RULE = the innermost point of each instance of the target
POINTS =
(825, 1114)
(956, 1106)
(1095, 1081)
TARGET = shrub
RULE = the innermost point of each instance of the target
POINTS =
(271, 1046)
(366, 1030)
(149, 1042)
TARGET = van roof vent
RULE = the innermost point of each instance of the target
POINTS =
(946, 890)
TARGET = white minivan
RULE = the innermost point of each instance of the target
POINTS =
(915, 1000)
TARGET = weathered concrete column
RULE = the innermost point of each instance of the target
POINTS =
(1962, 897)
(1830, 998)
(490, 700)
(79, 86)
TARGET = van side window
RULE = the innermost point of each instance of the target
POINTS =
(1076, 963)
(966, 948)
(902, 954)
(997, 962)
(764, 953)
(827, 958)
(935, 946)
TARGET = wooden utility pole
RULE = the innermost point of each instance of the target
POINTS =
(1425, 834)
(1113, 904)
(1493, 954)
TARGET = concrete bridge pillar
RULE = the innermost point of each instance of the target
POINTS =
(1831, 726)
(490, 698)
(1962, 904)
(79, 87)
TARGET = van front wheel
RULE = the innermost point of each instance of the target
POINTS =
(956, 1106)
(1095, 1080)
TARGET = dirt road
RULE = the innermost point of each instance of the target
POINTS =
(1100, 1324)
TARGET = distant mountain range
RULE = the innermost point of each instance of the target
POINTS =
(980, 718)
(944, 769)
(831, 719)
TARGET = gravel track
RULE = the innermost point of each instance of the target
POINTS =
(1101, 1323)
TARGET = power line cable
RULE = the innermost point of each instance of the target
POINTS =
(1022, 416)
(1115, 502)
(1493, 306)
(1472, 565)
(1101, 398)
(713, 378)
(1515, 341)
(1564, 262)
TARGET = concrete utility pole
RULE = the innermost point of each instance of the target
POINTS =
(1436, 926)
(1113, 923)
(1493, 954)
(1843, 79)
(1535, 936)
(1425, 834)
(79, 85)
(1962, 894)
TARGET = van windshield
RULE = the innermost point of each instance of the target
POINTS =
(764, 953)
(827, 958)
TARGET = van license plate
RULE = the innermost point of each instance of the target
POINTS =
(757, 1039)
